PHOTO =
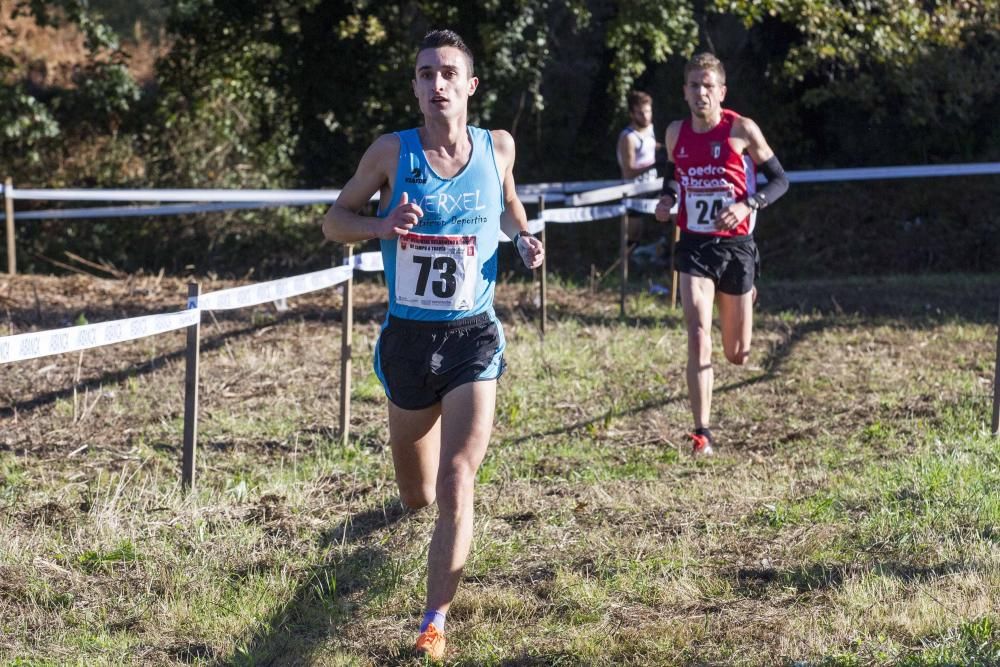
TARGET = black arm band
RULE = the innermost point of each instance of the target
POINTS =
(777, 183)
(670, 186)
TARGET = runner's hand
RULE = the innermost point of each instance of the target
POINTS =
(663, 208)
(731, 216)
(531, 250)
(401, 219)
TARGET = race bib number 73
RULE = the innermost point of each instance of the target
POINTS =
(438, 272)
(703, 206)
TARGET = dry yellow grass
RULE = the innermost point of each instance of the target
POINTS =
(48, 57)
(850, 519)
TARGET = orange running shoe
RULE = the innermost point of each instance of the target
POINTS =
(701, 443)
(431, 643)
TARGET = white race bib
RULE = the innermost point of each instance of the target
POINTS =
(438, 272)
(703, 206)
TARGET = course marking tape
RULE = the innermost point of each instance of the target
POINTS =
(554, 190)
(582, 214)
(644, 205)
(873, 173)
(576, 193)
(58, 341)
(219, 195)
(534, 226)
(142, 211)
(273, 290)
(367, 261)
(618, 191)
(20, 347)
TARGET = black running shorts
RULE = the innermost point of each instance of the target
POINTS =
(419, 362)
(733, 264)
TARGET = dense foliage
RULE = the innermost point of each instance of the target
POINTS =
(255, 93)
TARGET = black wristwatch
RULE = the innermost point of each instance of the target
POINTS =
(756, 202)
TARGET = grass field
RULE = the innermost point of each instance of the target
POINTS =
(852, 516)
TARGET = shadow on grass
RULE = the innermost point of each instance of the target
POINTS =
(94, 383)
(547, 660)
(320, 606)
(916, 302)
(209, 342)
(771, 365)
(820, 577)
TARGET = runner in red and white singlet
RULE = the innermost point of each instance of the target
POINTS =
(712, 176)
(713, 157)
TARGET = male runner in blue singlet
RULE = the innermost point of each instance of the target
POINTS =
(446, 191)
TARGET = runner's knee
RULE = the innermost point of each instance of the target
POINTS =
(417, 496)
(453, 488)
(739, 355)
(700, 342)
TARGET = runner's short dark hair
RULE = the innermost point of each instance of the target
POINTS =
(637, 98)
(708, 62)
(437, 39)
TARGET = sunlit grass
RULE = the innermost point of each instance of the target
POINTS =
(851, 517)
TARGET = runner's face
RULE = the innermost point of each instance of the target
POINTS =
(443, 85)
(704, 93)
(642, 116)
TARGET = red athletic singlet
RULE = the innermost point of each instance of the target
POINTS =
(712, 176)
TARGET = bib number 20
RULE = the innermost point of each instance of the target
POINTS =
(445, 287)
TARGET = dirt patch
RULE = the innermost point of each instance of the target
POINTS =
(13, 583)
(51, 513)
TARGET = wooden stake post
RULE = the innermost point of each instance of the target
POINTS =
(543, 288)
(624, 257)
(191, 396)
(996, 385)
(8, 200)
(347, 326)
(675, 236)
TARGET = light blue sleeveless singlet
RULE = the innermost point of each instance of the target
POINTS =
(446, 268)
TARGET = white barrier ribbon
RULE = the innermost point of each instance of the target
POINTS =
(583, 214)
(534, 226)
(58, 341)
(644, 205)
(556, 191)
(252, 295)
(20, 347)
(252, 196)
(876, 173)
(143, 211)
(622, 189)
(586, 192)
(367, 261)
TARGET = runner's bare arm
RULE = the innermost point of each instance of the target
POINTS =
(767, 163)
(747, 135)
(755, 144)
(626, 149)
(514, 220)
(375, 172)
(670, 191)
